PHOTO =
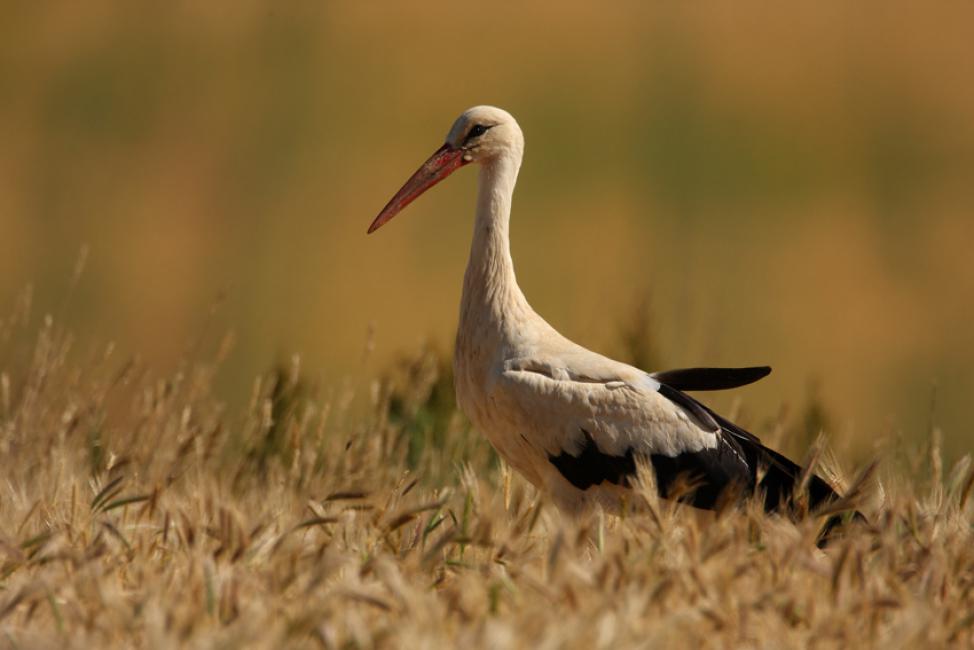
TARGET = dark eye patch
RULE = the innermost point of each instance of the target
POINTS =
(477, 131)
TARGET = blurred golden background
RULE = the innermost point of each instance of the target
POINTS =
(730, 184)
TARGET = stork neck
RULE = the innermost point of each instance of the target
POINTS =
(490, 288)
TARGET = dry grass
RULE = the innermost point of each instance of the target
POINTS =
(135, 512)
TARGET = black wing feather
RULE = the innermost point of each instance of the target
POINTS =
(694, 379)
(780, 473)
(593, 467)
(692, 407)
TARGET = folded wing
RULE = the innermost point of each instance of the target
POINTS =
(594, 423)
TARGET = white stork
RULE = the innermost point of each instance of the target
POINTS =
(572, 421)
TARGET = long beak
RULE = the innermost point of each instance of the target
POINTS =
(441, 164)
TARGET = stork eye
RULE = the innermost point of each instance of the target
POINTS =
(477, 131)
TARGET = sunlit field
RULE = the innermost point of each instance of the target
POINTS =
(226, 414)
(137, 511)
(778, 185)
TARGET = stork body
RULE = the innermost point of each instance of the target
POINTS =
(571, 421)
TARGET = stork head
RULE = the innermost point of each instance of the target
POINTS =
(481, 134)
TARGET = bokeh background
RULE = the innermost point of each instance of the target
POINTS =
(704, 184)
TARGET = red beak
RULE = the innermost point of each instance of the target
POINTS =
(441, 164)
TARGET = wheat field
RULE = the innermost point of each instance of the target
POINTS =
(734, 183)
(138, 511)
